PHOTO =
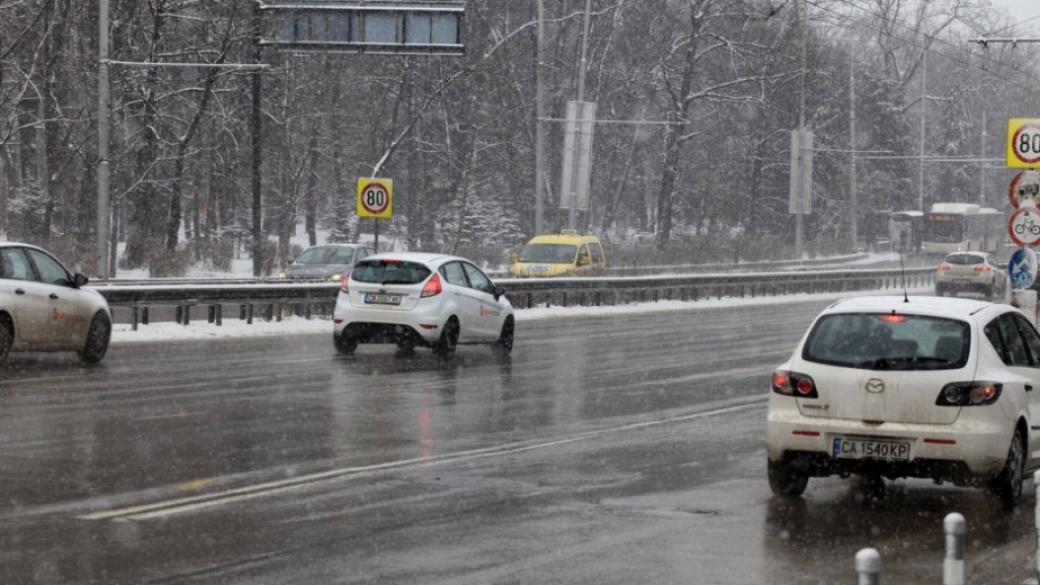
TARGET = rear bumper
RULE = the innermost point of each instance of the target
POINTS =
(374, 325)
(978, 450)
(384, 333)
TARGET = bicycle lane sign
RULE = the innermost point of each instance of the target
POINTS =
(1024, 227)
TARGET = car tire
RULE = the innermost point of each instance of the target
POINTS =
(785, 480)
(449, 339)
(6, 336)
(99, 335)
(504, 345)
(1008, 485)
(345, 345)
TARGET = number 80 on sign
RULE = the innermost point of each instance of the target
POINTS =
(375, 198)
(1023, 147)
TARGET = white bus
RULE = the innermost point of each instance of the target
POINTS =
(957, 227)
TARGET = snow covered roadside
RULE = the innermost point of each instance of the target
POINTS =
(297, 326)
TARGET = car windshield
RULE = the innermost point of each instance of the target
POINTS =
(889, 341)
(316, 256)
(390, 272)
(964, 259)
(549, 253)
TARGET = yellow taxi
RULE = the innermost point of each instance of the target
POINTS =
(565, 254)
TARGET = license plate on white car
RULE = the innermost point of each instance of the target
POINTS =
(382, 299)
(855, 448)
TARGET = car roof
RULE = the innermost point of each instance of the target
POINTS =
(954, 308)
(420, 257)
(563, 239)
(336, 245)
(969, 253)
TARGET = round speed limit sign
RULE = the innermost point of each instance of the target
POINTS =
(375, 198)
(1026, 144)
(1024, 227)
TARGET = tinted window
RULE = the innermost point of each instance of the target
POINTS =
(883, 341)
(50, 270)
(477, 279)
(16, 265)
(1030, 336)
(1004, 335)
(597, 253)
(454, 274)
(964, 259)
(390, 272)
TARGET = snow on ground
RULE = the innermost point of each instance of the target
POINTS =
(234, 328)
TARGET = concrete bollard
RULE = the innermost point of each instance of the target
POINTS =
(868, 567)
(953, 565)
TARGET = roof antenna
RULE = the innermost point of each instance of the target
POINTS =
(902, 271)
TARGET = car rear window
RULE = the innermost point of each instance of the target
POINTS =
(889, 341)
(964, 259)
(390, 272)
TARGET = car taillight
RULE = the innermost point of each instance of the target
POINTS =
(944, 267)
(344, 284)
(982, 269)
(794, 384)
(969, 394)
(433, 286)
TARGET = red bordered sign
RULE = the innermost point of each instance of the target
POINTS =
(1024, 227)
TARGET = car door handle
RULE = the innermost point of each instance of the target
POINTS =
(54, 296)
(19, 291)
(1029, 388)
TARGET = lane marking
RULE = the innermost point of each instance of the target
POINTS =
(189, 504)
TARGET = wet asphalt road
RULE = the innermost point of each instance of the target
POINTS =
(605, 450)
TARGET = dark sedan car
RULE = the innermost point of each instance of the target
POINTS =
(329, 262)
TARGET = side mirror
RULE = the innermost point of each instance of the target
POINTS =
(499, 292)
(79, 281)
(514, 257)
(584, 261)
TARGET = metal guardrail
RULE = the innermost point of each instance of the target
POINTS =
(306, 298)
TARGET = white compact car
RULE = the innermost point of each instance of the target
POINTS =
(977, 272)
(947, 389)
(427, 300)
(44, 307)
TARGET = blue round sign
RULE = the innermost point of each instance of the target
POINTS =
(1022, 268)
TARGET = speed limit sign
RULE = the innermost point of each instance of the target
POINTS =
(1023, 148)
(1024, 227)
(375, 198)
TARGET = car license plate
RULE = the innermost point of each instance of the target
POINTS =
(847, 448)
(382, 299)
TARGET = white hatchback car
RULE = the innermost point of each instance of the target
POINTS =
(44, 307)
(947, 389)
(429, 300)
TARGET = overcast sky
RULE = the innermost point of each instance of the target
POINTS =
(1021, 10)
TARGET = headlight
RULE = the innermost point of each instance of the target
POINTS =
(281, 275)
(336, 277)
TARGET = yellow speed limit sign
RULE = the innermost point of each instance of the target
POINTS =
(1023, 147)
(375, 198)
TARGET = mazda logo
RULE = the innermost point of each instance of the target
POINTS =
(875, 386)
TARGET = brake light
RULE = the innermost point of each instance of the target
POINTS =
(969, 394)
(982, 268)
(893, 319)
(433, 286)
(344, 284)
(944, 267)
(792, 383)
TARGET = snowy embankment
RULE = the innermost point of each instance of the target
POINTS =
(299, 326)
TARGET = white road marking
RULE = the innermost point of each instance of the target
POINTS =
(193, 503)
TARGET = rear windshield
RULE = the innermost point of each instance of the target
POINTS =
(887, 341)
(549, 253)
(390, 272)
(964, 259)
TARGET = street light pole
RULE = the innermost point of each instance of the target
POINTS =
(257, 129)
(103, 167)
(924, 121)
(799, 226)
(572, 218)
(539, 125)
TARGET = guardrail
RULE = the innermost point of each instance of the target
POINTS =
(308, 298)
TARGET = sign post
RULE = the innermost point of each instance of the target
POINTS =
(1023, 152)
(375, 199)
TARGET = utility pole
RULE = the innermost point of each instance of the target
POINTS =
(572, 218)
(982, 155)
(924, 121)
(799, 226)
(853, 192)
(104, 170)
(539, 129)
(257, 129)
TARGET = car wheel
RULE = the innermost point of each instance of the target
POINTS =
(344, 344)
(449, 340)
(505, 339)
(785, 480)
(6, 336)
(98, 337)
(1008, 485)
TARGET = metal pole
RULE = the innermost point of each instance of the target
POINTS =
(572, 217)
(104, 169)
(799, 227)
(924, 112)
(853, 192)
(868, 567)
(375, 221)
(982, 165)
(539, 126)
(257, 129)
(953, 565)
